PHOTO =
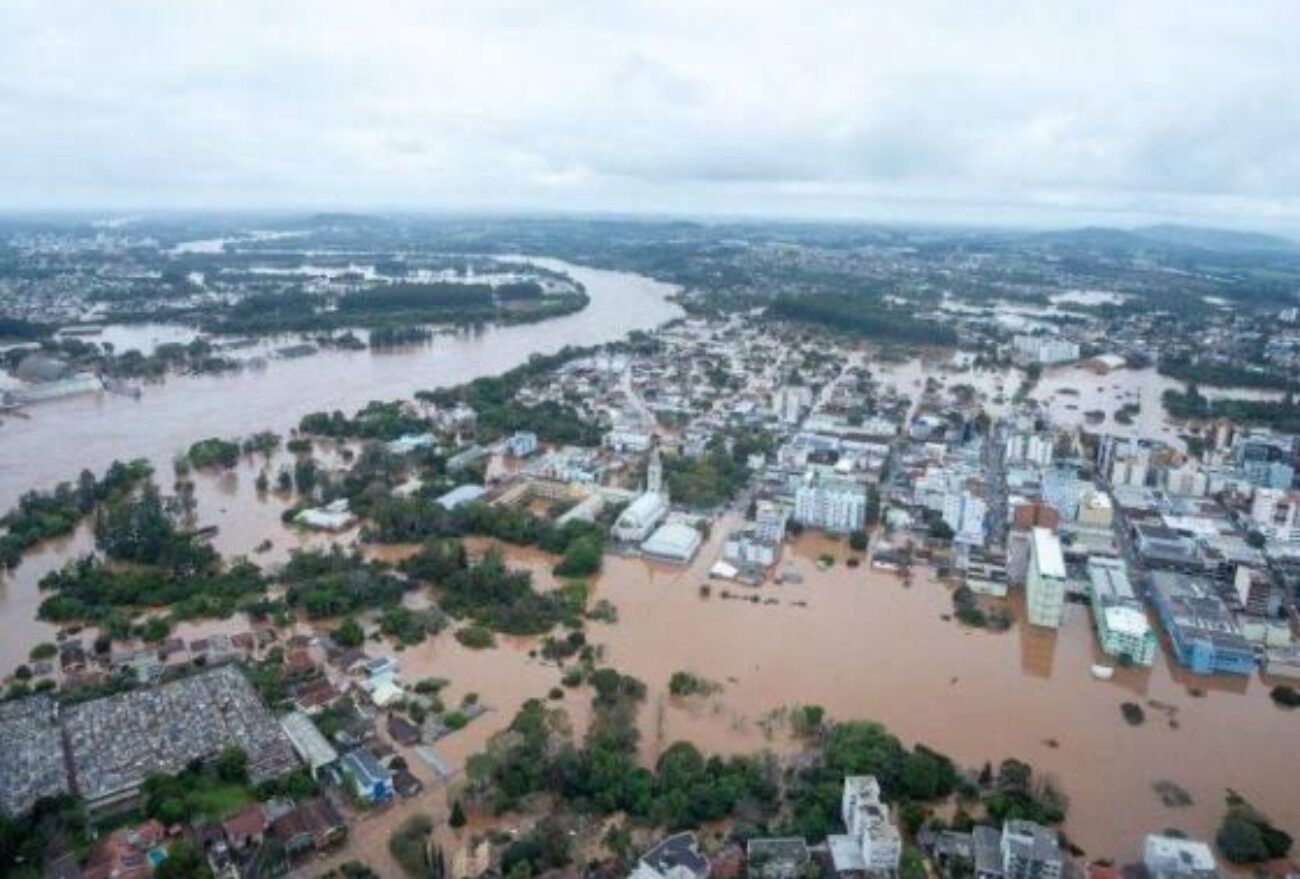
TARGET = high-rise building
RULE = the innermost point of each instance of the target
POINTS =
(869, 826)
(832, 504)
(1045, 581)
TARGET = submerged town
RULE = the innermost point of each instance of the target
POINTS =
(845, 552)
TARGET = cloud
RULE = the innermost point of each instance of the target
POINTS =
(998, 111)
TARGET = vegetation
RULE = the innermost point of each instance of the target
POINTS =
(683, 683)
(489, 593)
(213, 452)
(334, 582)
(1283, 415)
(713, 478)
(1284, 695)
(1246, 837)
(41, 516)
(1225, 375)
(410, 846)
(862, 315)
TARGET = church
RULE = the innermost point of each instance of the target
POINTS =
(638, 521)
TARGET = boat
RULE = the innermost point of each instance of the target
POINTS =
(1103, 672)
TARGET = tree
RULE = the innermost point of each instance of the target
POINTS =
(184, 861)
(911, 865)
(409, 845)
(349, 633)
(1240, 840)
(232, 765)
(457, 819)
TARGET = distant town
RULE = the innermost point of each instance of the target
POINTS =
(662, 551)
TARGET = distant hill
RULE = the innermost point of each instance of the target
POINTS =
(1169, 235)
(1215, 239)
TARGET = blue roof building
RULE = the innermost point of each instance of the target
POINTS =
(1202, 631)
(371, 782)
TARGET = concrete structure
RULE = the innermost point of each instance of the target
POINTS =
(521, 444)
(643, 515)
(830, 503)
(674, 857)
(1096, 509)
(673, 542)
(1276, 513)
(964, 513)
(371, 782)
(115, 742)
(1045, 579)
(1043, 350)
(1174, 857)
(872, 843)
(1201, 629)
(1030, 851)
(1121, 619)
(308, 743)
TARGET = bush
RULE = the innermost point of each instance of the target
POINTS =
(1284, 695)
(409, 845)
(476, 637)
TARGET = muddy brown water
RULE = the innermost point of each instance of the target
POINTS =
(853, 640)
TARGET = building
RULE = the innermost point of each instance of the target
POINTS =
(673, 542)
(964, 513)
(747, 547)
(115, 742)
(1175, 857)
(521, 444)
(461, 495)
(308, 743)
(1029, 448)
(1201, 629)
(643, 515)
(872, 842)
(1122, 625)
(1043, 350)
(674, 857)
(1096, 509)
(830, 503)
(371, 782)
(1045, 580)
(1276, 513)
(1030, 851)
(770, 520)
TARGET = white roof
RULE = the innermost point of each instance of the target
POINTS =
(1127, 620)
(1047, 551)
(307, 740)
(673, 540)
(461, 494)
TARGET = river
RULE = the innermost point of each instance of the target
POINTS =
(62, 437)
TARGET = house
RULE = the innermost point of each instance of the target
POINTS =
(402, 730)
(674, 857)
(371, 782)
(311, 825)
(127, 854)
(308, 742)
(246, 828)
(1172, 857)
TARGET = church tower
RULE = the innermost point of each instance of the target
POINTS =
(654, 474)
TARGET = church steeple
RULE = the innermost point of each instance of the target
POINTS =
(654, 474)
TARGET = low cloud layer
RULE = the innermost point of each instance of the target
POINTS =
(993, 111)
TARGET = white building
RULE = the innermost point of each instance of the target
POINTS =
(1044, 350)
(1096, 509)
(1277, 514)
(644, 514)
(521, 444)
(1188, 479)
(1045, 580)
(1121, 619)
(832, 504)
(964, 513)
(872, 843)
(770, 519)
(1174, 857)
(1029, 448)
(746, 546)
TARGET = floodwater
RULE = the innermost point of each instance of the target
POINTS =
(62, 437)
(854, 640)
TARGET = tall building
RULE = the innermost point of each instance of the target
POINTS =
(1276, 513)
(641, 517)
(1029, 448)
(832, 504)
(1044, 350)
(872, 839)
(1045, 580)
(963, 512)
(1030, 851)
(1122, 625)
(1202, 631)
(1096, 509)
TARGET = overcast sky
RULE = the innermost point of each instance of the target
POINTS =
(1050, 111)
